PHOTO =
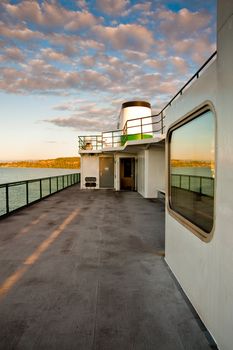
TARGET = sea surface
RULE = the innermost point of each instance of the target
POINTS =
(195, 171)
(19, 174)
(18, 193)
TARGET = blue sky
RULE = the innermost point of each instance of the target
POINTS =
(67, 66)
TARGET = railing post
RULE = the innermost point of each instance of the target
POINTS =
(63, 181)
(7, 199)
(50, 186)
(141, 127)
(27, 193)
(40, 188)
(57, 183)
(162, 122)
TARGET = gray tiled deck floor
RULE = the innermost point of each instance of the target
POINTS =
(83, 270)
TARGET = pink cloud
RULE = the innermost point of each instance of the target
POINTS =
(126, 36)
(179, 64)
(12, 54)
(52, 55)
(112, 7)
(19, 32)
(50, 14)
(184, 21)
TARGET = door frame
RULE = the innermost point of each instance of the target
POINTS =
(135, 170)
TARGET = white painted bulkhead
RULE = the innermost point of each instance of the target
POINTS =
(89, 168)
(204, 269)
(151, 172)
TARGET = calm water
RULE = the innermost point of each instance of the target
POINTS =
(18, 174)
(18, 194)
(196, 171)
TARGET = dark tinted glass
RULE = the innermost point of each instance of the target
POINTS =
(192, 170)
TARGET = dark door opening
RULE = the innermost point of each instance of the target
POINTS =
(127, 174)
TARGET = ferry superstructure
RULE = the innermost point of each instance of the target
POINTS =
(199, 208)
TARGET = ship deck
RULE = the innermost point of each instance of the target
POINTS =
(85, 270)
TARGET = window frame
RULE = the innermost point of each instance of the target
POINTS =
(193, 114)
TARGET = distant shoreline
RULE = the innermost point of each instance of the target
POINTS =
(192, 163)
(57, 163)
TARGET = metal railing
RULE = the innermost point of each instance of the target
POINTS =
(200, 184)
(117, 138)
(134, 129)
(16, 195)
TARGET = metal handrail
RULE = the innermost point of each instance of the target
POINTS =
(161, 113)
(54, 184)
(199, 189)
(196, 75)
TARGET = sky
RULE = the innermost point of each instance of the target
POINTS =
(66, 67)
(198, 136)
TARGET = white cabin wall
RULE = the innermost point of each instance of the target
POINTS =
(155, 172)
(141, 173)
(224, 213)
(194, 262)
(204, 270)
(89, 168)
(117, 172)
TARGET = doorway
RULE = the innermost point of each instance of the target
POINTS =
(127, 174)
(106, 166)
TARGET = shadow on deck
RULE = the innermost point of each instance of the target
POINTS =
(85, 270)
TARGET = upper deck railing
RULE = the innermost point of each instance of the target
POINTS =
(138, 128)
(134, 129)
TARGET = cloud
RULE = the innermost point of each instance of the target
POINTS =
(19, 32)
(156, 63)
(52, 55)
(135, 56)
(39, 76)
(82, 4)
(81, 20)
(91, 79)
(112, 7)
(50, 49)
(50, 14)
(197, 51)
(12, 54)
(179, 64)
(99, 118)
(125, 36)
(184, 21)
(143, 8)
(88, 61)
(82, 124)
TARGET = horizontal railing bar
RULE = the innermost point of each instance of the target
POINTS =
(199, 176)
(36, 195)
(22, 182)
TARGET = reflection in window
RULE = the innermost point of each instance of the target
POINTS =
(192, 170)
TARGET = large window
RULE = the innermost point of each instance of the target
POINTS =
(192, 171)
